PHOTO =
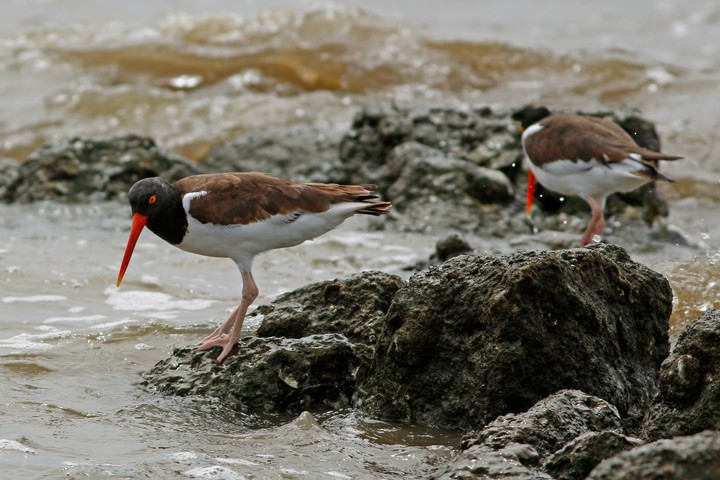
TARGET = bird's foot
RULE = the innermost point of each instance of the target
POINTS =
(217, 333)
(222, 340)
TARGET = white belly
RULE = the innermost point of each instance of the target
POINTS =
(242, 242)
(588, 179)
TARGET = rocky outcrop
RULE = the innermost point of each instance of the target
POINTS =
(302, 153)
(354, 307)
(433, 191)
(443, 167)
(484, 336)
(689, 394)
(694, 457)
(311, 349)
(481, 136)
(267, 374)
(79, 168)
(516, 446)
(579, 456)
(8, 173)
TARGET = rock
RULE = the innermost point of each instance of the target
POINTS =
(451, 246)
(689, 389)
(486, 463)
(579, 456)
(267, 374)
(438, 164)
(355, 307)
(549, 424)
(9, 170)
(79, 168)
(480, 135)
(302, 153)
(482, 336)
(695, 457)
(432, 191)
(515, 446)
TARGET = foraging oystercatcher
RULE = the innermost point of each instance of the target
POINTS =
(238, 215)
(585, 156)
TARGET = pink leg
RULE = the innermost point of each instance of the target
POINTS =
(229, 333)
(597, 222)
(223, 328)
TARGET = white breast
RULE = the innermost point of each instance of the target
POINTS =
(242, 242)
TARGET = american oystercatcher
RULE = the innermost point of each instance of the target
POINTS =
(585, 156)
(238, 215)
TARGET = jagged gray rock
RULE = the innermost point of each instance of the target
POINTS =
(79, 168)
(355, 307)
(302, 153)
(267, 374)
(579, 456)
(516, 445)
(689, 394)
(482, 336)
(695, 457)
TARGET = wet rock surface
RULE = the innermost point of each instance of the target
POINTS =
(9, 169)
(694, 457)
(101, 168)
(317, 372)
(484, 336)
(689, 388)
(355, 307)
(517, 445)
(579, 456)
(302, 153)
(432, 191)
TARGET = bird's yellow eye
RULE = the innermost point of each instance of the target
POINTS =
(152, 199)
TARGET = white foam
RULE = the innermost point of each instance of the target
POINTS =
(214, 472)
(110, 325)
(139, 301)
(25, 341)
(35, 298)
(13, 445)
(85, 319)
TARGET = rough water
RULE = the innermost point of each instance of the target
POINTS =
(192, 74)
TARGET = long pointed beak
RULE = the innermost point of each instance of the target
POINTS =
(530, 192)
(138, 224)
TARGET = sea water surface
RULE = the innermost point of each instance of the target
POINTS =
(192, 74)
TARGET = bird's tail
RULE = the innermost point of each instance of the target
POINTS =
(375, 207)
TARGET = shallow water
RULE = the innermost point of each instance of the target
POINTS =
(194, 73)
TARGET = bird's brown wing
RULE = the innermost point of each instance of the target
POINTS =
(243, 198)
(583, 138)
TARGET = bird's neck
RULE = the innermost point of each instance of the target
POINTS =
(171, 223)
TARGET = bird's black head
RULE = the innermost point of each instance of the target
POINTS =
(533, 116)
(151, 196)
(157, 204)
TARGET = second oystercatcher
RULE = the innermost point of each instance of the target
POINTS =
(585, 156)
(238, 215)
